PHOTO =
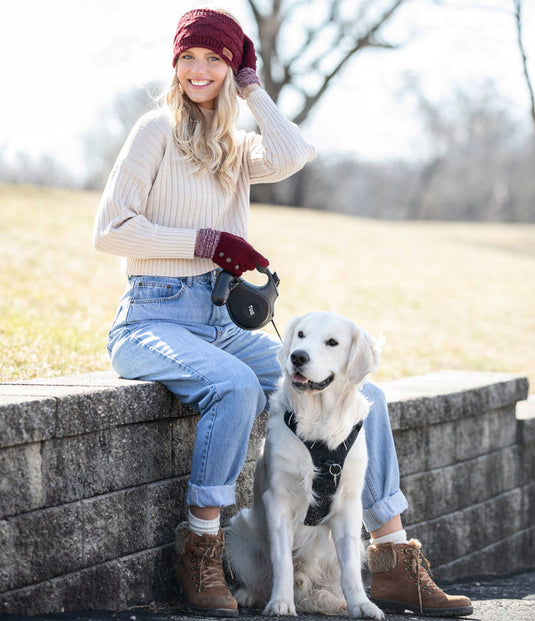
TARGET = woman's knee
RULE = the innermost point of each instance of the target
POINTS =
(374, 394)
(241, 387)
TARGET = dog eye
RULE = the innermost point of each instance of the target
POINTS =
(300, 334)
(332, 343)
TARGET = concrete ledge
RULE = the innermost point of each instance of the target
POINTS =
(94, 471)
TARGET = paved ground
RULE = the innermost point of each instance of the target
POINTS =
(500, 598)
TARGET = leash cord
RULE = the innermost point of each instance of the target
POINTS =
(273, 322)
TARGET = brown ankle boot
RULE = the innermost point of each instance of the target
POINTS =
(201, 577)
(401, 579)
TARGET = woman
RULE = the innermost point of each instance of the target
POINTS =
(176, 206)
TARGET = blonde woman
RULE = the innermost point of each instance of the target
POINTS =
(176, 206)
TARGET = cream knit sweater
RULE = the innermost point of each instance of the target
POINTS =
(153, 204)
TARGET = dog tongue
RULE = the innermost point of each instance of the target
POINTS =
(299, 379)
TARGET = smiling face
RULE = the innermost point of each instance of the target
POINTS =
(201, 73)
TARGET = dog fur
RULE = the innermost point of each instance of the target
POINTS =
(277, 561)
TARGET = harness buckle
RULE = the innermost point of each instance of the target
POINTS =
(335, 470)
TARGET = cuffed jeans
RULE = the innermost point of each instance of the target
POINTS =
(168, 330)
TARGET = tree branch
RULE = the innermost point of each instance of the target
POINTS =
(518, 20)
(366, 40)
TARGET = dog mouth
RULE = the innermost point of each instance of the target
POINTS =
(300, 382)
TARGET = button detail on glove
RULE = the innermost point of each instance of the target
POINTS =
(229, 251)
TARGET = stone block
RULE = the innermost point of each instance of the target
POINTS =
(100, 408)
(21, 486)
(116, 585)
(449, 395)
(183, 439)
(428, 447)
(81, 466)
(25, 420)
(412, 449)
(33, 600)
(41, 545)
(7, 556)
(143, 517)
(477, 435)
(463, 532)
(443, 491)
(147, 577)
(528, 497)
(505, 556)
(93, 588)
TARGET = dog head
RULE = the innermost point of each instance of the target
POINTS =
(321, 347)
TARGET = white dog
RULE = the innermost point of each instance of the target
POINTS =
(299, 546)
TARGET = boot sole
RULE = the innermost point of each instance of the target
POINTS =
(205, 612)
(391, 607)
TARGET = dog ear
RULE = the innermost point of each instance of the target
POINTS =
(364, 356)
(284, 351)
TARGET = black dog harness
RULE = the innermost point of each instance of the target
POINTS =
(328, 465)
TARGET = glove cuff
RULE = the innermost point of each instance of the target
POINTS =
(206, 243)
(245, 77)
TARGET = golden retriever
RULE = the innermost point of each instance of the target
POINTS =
(298, 548)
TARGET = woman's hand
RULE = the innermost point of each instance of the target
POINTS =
(230, 252)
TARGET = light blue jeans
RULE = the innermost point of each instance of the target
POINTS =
(168, 330)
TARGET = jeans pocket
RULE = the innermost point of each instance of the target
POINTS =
(154, 299)
(156, 290)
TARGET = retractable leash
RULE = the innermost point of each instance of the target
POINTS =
(250, 306)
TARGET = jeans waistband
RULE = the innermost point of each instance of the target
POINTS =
(188, 280)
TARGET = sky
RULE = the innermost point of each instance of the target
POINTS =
(63, 61)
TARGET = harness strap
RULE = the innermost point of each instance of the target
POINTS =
(328, 466)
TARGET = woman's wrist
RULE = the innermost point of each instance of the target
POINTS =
(247, 90)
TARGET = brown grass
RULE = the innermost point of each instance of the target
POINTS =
(445, 295)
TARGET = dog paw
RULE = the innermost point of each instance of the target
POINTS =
(277, 608)
(366, 610)
(246, 598)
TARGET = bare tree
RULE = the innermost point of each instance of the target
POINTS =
(304, 45)
(518, 7)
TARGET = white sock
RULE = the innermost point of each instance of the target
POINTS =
(203, 527)
(399, 536)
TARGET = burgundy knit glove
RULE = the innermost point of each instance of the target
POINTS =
(246, 73)
(230, 252)
(249, 54)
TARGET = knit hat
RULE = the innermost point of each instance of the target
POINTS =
(215, 31)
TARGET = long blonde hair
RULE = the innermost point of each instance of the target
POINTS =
(211, 148)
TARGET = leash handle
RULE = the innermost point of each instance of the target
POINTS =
(222, 287)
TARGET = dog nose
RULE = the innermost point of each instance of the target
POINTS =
(299, 358)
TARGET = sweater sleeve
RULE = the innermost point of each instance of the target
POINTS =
(279, 150)
(121, 226)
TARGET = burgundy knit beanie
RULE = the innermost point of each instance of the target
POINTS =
(218, 32)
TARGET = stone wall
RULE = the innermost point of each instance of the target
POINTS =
(94, 469)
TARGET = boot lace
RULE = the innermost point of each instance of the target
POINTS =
(209, 564)
(420, 569)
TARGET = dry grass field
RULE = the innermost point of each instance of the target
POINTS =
(444, 295)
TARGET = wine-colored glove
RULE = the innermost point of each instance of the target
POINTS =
(230, 252)
(249, 54)
(246, 74)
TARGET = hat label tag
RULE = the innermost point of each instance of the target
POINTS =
(228, 53)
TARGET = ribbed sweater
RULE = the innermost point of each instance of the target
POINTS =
(153, 204)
